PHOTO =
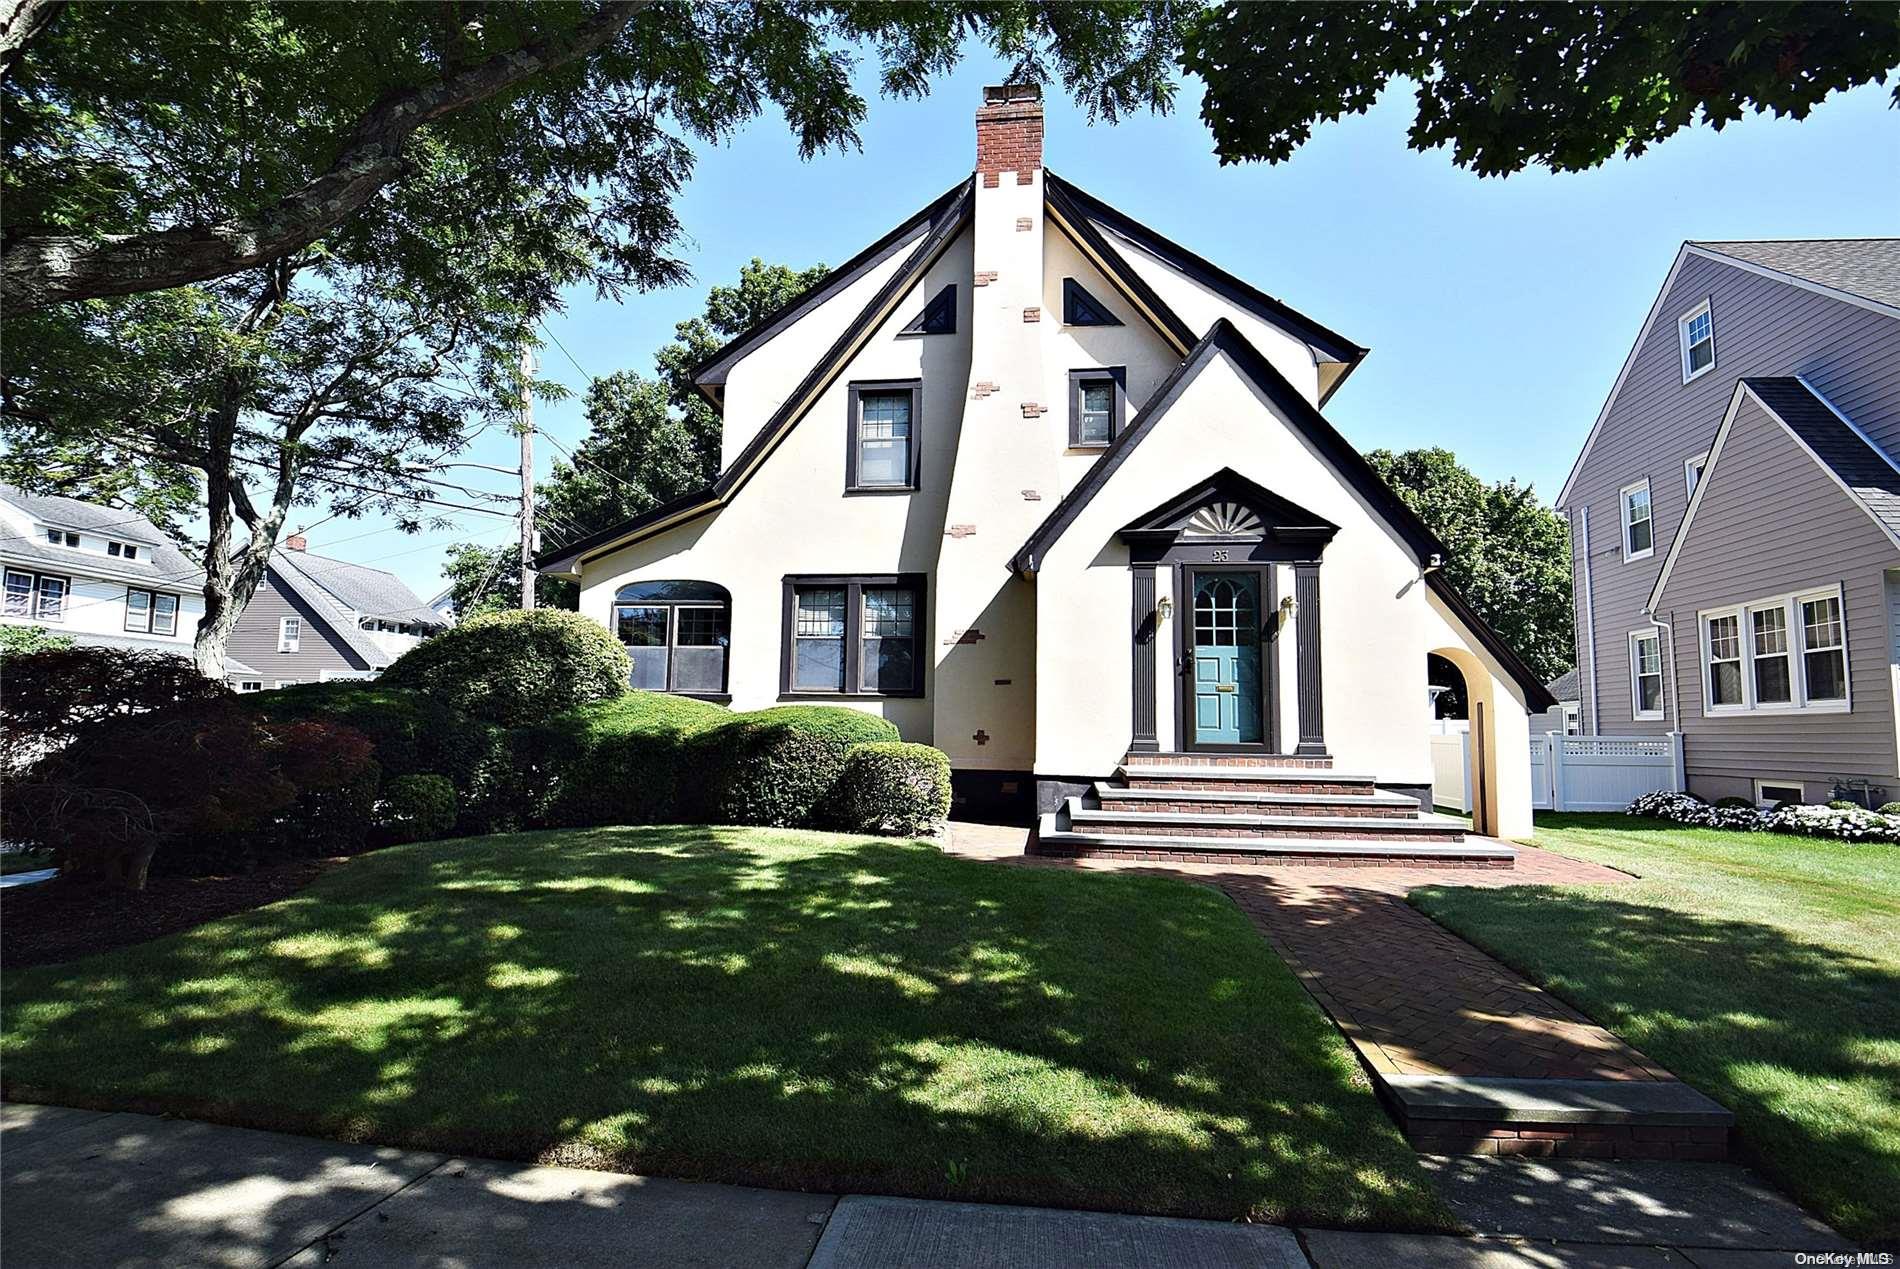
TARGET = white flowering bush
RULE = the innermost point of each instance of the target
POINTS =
(1851, 824)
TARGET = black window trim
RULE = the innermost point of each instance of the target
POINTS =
(34, 597)
(1078, 305)
(673, 607)
(1118, 376)
(151, 610)
(854, 395)
(853, 584)
(938, 315)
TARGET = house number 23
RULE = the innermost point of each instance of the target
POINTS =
(1219, 555)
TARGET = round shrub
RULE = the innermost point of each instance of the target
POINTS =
(776, 766)
(1733, 801)
(1890, 808)
(516, 668)
(892, 787)
(415, 808)
(622, 761)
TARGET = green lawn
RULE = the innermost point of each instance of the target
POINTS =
(777, 1007)
(1762, 968)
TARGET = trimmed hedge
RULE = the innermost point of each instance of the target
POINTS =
(775, 766)
(415, 808)
(614, 762)
(892, 787)
(516, 668)
(415, 734)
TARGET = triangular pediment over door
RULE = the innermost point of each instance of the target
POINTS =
(1228, 507)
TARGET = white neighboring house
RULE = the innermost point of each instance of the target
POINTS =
(314, 619)
(1053, 493)
(100, 575)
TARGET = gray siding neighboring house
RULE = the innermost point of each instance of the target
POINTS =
(1789, 506)
(350, 620)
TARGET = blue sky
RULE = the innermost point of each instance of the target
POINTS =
(1497, 311)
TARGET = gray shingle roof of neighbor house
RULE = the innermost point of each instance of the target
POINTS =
(1867, 473)
(335, 589)
(1867, 267)
(161, 562)
(1566, 686)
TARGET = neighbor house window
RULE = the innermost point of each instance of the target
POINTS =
(19, 597)
(151, 612)
(1772, 793)
(1692, 470)
(123, 549)
(1723, 649)
(36, 595)
(1639, 531)
(250, 685)
(881, 452)
(62, 537)
(856, 636)
(677, 634)
(1646, 674)
(289, 634)
(1824, 648)
(1098, 405)
(1784, 653)
(1697, 331)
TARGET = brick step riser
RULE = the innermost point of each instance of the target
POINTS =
(1324, 832)
(1224, 760)
(1188, 855)
(1571, 1141)
(1248, 786)
(1211, 806)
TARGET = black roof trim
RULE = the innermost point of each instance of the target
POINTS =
(1279, 513)
(1203, 270)
(1536, 695)
(1224, 337)
(1076, 220)
(824, 288)
(948, 224)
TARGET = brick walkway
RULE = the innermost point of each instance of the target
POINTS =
(1412, 997)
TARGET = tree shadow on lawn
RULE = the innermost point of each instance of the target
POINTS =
(744, 1005)
(1800, 1040)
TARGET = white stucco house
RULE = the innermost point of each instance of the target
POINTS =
(1053, 493)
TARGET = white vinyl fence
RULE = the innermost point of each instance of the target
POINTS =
(1569, 773)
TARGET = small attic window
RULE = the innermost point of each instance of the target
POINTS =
(939, 316)
(62, 537)
(1696, 329)
(1079, 308)
(125, 550)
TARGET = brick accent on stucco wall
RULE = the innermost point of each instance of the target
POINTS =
(1009, 133)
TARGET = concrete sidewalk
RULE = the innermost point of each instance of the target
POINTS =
(88, 1188)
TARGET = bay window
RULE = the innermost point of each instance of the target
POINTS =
(1788, 652)
(854, 636)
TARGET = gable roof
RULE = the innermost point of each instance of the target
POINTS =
(1223, 338)
(1283, 516)
(949, 221)
(1861, 468)
(1833, 267)
(338, 593)
(159, 564)
(1567, 686)
(1330, 343)
(1867, 267)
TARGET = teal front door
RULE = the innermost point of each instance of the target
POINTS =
(1226, 658)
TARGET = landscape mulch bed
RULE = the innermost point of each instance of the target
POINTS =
(54, 921)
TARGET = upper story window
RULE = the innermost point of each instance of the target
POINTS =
(1639, 529)
(1788, 652)
(939, 317)
(1079, 308)
(125, 550)
(1692, 470)
(35, 596)
(62, 537)
(1696, 330)
(289, 634)
(854, 636)
(881, 442)
(678, 635)
(1098, 406)
(151, 612)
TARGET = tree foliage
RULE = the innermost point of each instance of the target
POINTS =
(1506, 86)
(1510, 555)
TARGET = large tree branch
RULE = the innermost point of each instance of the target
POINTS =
(50, 268)
(20, 22)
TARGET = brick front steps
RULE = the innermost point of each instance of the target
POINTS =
(1596, 1119)
(1243, 809)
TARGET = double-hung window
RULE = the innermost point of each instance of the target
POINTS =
(1695, 331)
(36, 596)
(289, 634)
(1784, 653)
(151, 612)
(1098, 406)
(854, 636)
(1646, 674)
(1639, 529)
(882, 437)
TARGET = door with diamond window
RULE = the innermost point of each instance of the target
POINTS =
(1225, 658)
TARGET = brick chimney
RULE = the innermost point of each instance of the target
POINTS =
(1009, 133)
(296, 542)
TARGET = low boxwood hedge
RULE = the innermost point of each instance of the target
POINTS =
(613, 762)
(415, 808)
(891, 787)
(774, 766)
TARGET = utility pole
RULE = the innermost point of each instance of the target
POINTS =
(526, 428)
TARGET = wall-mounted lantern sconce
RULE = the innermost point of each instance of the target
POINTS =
(1287, 609)
(1164, 607)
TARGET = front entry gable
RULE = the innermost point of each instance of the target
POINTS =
(1227, 507)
